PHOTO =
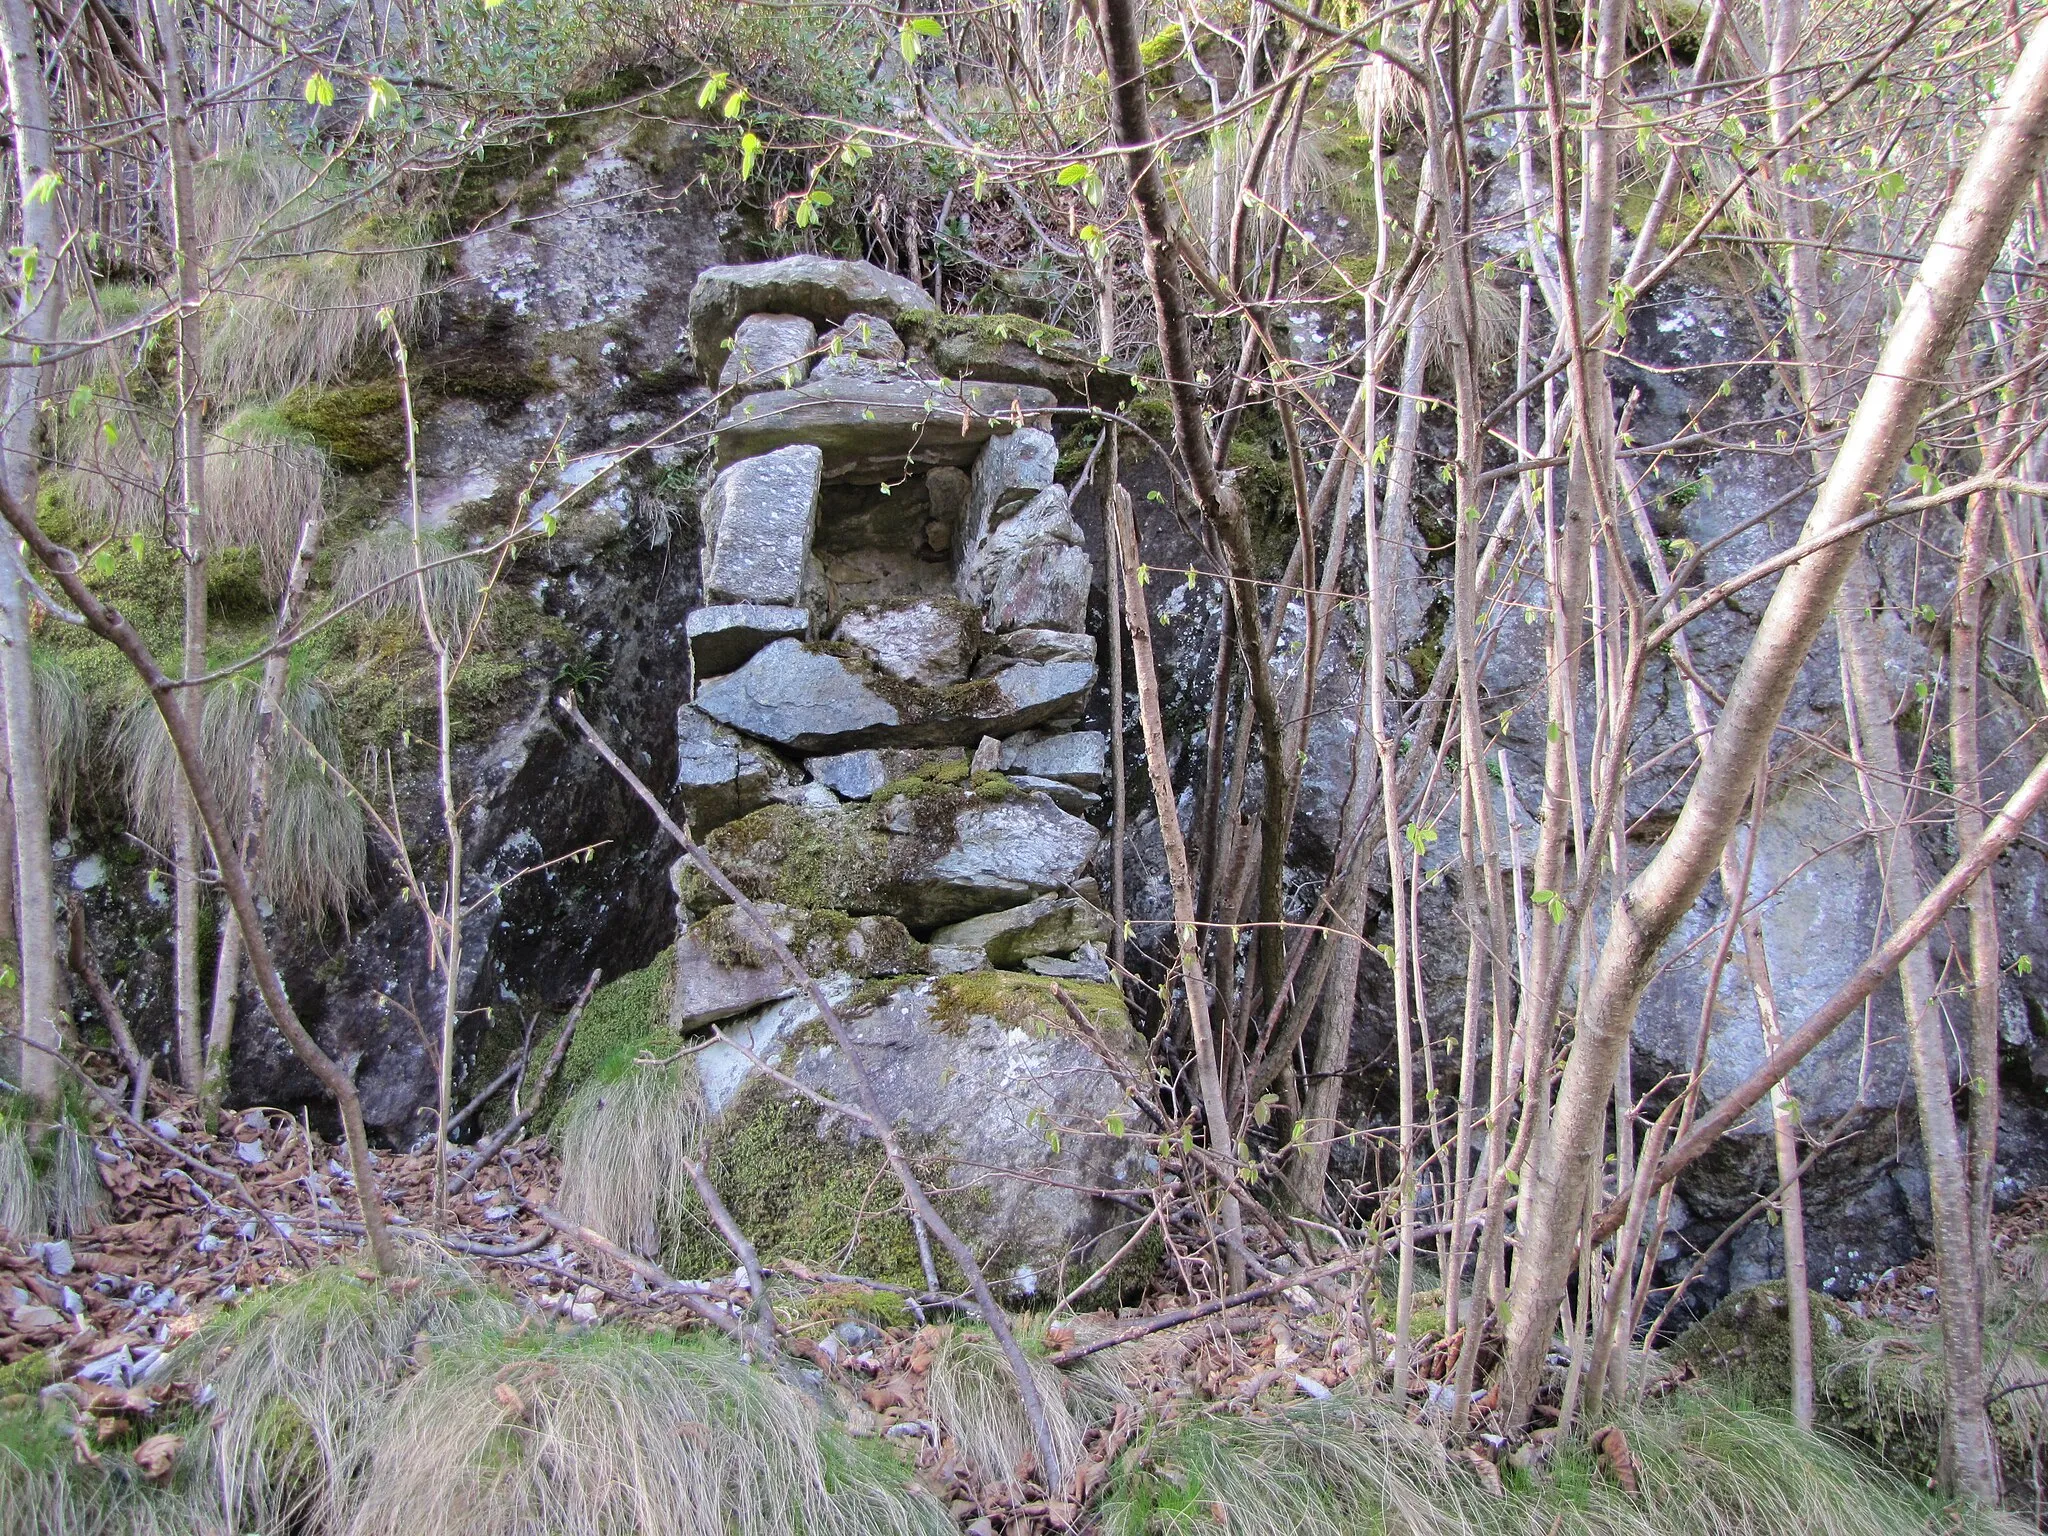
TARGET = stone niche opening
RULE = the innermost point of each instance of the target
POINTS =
(883, 541)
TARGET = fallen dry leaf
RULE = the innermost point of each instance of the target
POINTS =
(1616, 1460)
(156, 1455)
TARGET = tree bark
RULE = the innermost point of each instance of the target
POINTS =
(35, 325)
(1943, 294)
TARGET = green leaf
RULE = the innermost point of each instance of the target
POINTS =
(711, 89)
(927, 26)
(1071, 175)
(1113, 1123)
(1891, 186)
(79, 403)
(734, 102)
(319, 90)
(908, 45)
(44, 187)
(383, 94)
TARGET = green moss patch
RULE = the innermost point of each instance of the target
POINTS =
(360, 426)
(1021, 1000)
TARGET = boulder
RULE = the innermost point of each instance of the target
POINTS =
(719, 777)
(819, 288)
(857, 775)
(1086, 964)
(761, 515)
(1076, 802)
(816, 702)
(971, 1071)
(1015, 349)
(1048, 925)
(876, 429)
(1079, 758)
(724, 967)
(769, 352)
(936, 852)
(932, 642)
(724, 635)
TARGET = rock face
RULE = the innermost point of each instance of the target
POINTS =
(932, 642)
(971, 1071)
(1045, 926)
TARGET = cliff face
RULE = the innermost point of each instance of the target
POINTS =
(850, 619)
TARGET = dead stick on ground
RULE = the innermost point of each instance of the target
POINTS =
(132, 1057)
(511, 1128)
(760, 1315)
(691, 1296)
(1204, 1309)
(899, 1164)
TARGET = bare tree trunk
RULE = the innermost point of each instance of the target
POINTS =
(35, 324)
(109, 625)
(1969, 1452)
(1943, 294)
(189, 444)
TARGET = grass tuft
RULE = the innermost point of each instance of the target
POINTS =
(378, 569)
(609, 1432)
(973, 1397)
(313, 859)
(624, 1134)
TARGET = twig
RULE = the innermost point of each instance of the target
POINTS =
(484, 1096)
(490, 1149)
(1204, 1309)
(132, 1056)
(687, 1292)
(760, 1316)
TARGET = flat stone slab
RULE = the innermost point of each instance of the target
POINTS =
(932, 642)
(761, 514)
(823, 289)
(857, 775)
(1048, 925)
(811, 701)
(724, 966)
(1079, 758)
(724, 635)
(880, 428)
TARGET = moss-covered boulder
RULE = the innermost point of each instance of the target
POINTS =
(725, 966)
(1010, 1112)
(924, 851)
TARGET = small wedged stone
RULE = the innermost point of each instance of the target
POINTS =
(875, 429)
(1048, 925)
(762, 514)
(724, 635)
(725, 967)
(1037, 645)
(769, 352)
(719, 777)
(1044, 587)
(1079, 758)
(932, 641)
(1076, 802)
(820, 288)
(811, 701)
(1085, 964)
(857, 775)
(868, 337)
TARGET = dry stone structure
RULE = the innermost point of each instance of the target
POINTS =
(883, 750)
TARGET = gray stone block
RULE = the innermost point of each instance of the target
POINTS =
(1079, 758)
(763, 513)
(719, 777)
(769, 352)
(857, 775)
(725, 635)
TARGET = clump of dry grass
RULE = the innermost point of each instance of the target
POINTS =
(608, 1432)
(260, 483)
(313, 858)
(1705, 1466)
(378, 569)
(300, 1375)
(24, 1203)
(64, 723)
(50, 1182)
(973, 1398)
(624, 1135)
